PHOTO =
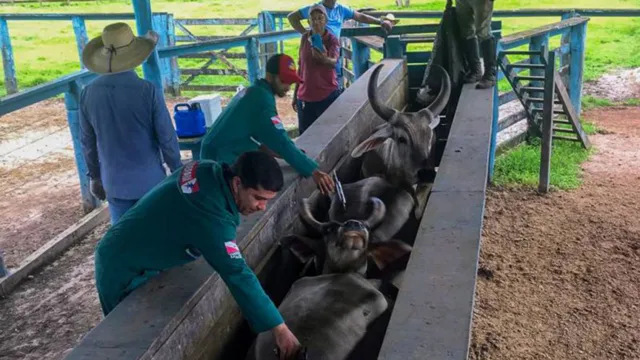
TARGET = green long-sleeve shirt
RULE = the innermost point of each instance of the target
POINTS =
(191, 212)
(250, 119)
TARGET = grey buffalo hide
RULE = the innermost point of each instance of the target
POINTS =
(343, 306)
(398, 202)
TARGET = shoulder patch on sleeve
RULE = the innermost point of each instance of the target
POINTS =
(232, 249)
(188, 180)
(277, 122)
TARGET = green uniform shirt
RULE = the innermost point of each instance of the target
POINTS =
(191, 212)
(251, 119)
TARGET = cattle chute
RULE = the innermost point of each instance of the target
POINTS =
(189, 314)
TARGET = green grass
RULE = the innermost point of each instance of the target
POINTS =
(590, 102)
(44, 50)
(520, 167)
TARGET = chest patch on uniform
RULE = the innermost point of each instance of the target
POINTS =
(188, 180)
(277, 122)
(232, 249)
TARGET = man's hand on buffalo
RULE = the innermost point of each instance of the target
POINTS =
(288, 344)
(96, 188)
(324, 181)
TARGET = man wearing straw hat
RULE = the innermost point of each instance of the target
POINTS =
(126, 129)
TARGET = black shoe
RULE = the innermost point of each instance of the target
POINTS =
(488, 48)
(473, 60)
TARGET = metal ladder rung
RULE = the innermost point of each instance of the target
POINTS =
(530, 78)
(521, 52)
(532, 88)
(564, 122)
(564, 130)
(526, 66)
(555, 111)
(565, 138)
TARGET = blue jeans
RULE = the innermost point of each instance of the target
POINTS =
(339, 73)
(117, 207)
(308, 112)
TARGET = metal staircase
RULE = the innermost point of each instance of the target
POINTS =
(531, 91)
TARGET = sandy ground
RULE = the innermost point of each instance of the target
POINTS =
(39, 187)
(560, 274)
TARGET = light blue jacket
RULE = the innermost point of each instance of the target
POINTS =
(126, 134)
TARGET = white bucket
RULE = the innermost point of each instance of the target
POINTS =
(211, 106)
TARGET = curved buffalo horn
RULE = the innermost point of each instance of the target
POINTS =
(385, 112)
(308, 217)
(445, 90)
(377, 213)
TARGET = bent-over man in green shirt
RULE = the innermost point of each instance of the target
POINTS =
(251, 122)
(195, 212)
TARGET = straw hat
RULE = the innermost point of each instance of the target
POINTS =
(117, 49)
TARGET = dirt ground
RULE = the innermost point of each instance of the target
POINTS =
(559, 275)
(49, 313)
(39, 187)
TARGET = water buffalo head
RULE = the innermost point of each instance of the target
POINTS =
(345, 245)
(405, 140)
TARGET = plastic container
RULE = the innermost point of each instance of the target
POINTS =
(211, 106)
(189, 120)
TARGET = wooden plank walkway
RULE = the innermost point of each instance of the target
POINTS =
(433, 312)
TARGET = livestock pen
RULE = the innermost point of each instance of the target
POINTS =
(179, 314)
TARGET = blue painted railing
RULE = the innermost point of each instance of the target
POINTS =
(267, 21)
(163, 23)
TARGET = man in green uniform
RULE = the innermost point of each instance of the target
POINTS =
(193, 212)
(251, 122)
(474, 19)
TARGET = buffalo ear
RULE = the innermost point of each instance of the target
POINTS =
(433, 120)
(374, 141)
(387, 252)
(303, 248)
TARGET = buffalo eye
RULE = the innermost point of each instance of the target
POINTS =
(402, 140)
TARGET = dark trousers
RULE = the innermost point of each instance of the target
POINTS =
(308, 112)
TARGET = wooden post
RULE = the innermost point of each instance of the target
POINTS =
(9, 66)
(547, 123)
(359, 58)
(538, 43)
(253, 60)
(281, 28)
(496, 115)
(266, 24)
(3, 269)
(72, 102)
(160, 24)
(494, 132)
(576, 69)
(151, 67)
(80, 30)
(174, 77)
(393, 48)
(566, 41)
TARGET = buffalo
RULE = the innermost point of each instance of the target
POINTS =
(400, 149)
(329, 313)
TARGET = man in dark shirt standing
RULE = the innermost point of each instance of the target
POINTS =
(126, 130)
(251, 122)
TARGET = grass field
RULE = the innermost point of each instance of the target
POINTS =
(45, 50)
